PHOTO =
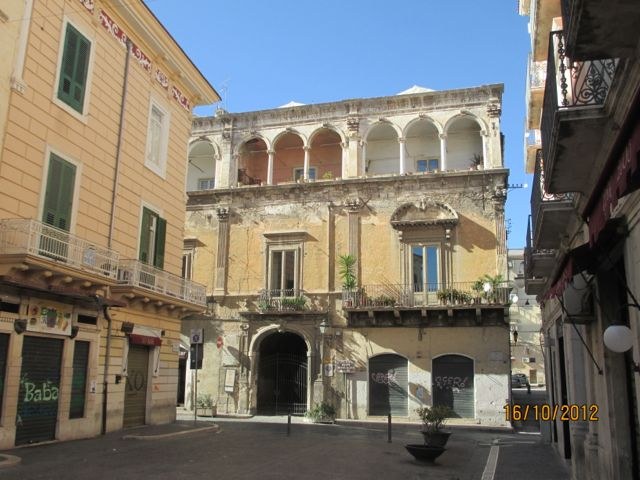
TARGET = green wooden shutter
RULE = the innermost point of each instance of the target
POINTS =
(73, 71)
(58, 198)
(79, 379)
(161, 234)
(145, 231)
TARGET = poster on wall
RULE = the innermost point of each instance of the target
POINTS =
(51, 318)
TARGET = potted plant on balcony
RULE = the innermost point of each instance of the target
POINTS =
(321, 413)
(205, 406)
(445, 295)
(477, 161)
(347, 272)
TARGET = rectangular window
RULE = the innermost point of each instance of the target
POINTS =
(58, 197)
(430, 165)
(298, 173)
(79, 379)
(425, 269)
(206, 183)
(157, 135)
(152, 238)
(283, 268)
(73, 71)
(187, 261)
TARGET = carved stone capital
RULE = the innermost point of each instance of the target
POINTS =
(353, 204)
(443, 136)
(353, 126)
(401, 139)
(271, 152)
(223, 213)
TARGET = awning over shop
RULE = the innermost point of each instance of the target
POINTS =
(145, 336)
(624, 179)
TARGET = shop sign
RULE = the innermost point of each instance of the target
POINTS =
(49, 318)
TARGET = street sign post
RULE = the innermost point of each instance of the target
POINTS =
(197, 338)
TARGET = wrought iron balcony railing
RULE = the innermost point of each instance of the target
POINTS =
(539, 196)
(289, 300)
(571, 85)
(425, 295)
(28, 236)
(138, 274)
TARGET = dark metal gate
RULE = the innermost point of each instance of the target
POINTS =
(39, 390)
(282, 384)
(388, 385)
(453, 384)
(135, 392)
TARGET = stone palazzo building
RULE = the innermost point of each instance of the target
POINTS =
(404, 192)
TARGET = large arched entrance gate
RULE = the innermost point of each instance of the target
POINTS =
(282, 375)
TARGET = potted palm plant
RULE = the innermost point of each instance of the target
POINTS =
(347, 272)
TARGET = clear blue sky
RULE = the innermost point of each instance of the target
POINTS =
(262, 54)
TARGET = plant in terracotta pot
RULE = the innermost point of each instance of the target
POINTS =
(347, 272)
(433, 421)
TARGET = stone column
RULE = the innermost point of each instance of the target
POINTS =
(485, 150)
(352, 167)
(306, 149)
(272, 154)
(221, 256)
(353, 207)
(443, 152)
(499, 199)
(344, 171)
(403, 167)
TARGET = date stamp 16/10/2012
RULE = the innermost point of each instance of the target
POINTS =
(547, 412)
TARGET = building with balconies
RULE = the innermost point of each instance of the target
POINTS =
(355, 252)
(92, 220)
(582, 245)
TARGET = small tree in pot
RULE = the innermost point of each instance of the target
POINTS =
(433, 420)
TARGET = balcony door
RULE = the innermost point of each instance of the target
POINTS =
(57, 208)
(425, 272)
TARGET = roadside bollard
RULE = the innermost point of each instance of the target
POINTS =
(389, 428)
(289, 423)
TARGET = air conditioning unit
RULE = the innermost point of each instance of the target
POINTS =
(528, 359)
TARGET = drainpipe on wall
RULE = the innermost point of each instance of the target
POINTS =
(105, 389)
(116, 178)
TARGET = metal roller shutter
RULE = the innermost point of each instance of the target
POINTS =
(39, 390)
(135, 392)
(388, 385)
(453, 384)
(4, 347)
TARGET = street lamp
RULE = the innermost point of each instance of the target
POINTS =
(323, 328)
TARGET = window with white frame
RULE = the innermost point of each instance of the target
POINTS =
(157, 136)
(206, 183)
(425, 267)
(284, 252)
(298, 173)
(430, 165)
(187, 264)
(74, 69)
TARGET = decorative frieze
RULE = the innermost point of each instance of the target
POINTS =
(162, 79)
(88, 4)
(180, 98)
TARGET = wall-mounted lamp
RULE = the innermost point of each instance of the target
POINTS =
(74, 332)
(20, 325)
(514, 298)
(323, 326)
(127, 327)
(618, 338)
(210, 304)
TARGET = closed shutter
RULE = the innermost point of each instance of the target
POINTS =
(79, 379)
(161, 234)
(453, 384)
(388, 382)
(145, 232)
(73, 71)
(39, 390)
(135, 393)
(58, 199)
